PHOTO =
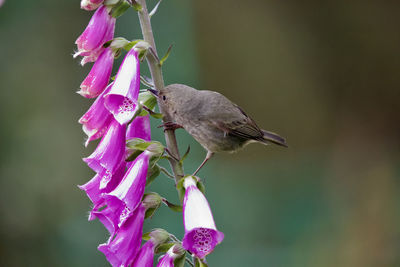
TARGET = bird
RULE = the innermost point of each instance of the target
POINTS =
(218, 124)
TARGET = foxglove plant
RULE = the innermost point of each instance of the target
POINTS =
(126, 160)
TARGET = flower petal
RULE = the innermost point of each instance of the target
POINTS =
(122, 249)
(97, 119)
(97, 79)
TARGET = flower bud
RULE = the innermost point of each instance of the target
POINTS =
(91, 4)
(168, 259)
(99, 30)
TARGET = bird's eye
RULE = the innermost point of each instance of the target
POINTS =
(163, 97)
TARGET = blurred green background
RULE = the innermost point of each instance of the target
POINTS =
(324, 74)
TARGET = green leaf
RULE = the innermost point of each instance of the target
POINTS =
(177, 208)
(165, 57)
(163, 248)
(154, 9)
(119, 8)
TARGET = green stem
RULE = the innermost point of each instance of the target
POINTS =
(158, 80)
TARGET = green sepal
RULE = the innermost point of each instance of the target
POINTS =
(131, 44)
(148, 100)
(140, 144)
(119, 8)
(163, 248)
(138, 7)
(199, 263)
(180, 261)
(133, 155)
(146, 236)
(152, 174)
(180, 188)
(165, 57)
(152, 201)
(201, 186)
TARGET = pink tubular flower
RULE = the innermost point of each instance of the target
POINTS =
(124, 199)
(91, 4)
(168, 259)
(96, 120)
(145, 257)
(122, 249)
(99, 30)
(139, 128)
(101, 183)
(201, 234)
(121, 101)
(110, 150)
(98, 77)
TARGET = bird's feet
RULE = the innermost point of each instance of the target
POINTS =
(169, 125)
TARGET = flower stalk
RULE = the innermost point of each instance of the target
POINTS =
(158, 81)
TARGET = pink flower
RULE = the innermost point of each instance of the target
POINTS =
(110, 151)
(91, 4)
(139, 128)
(103, 182)
(98, 77)
(122, 249)
(124, 199)
(145, 256)
(201, 234)
(96, 120)
(99, 30)
(121, 101)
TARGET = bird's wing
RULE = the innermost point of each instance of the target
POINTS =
(244, 127)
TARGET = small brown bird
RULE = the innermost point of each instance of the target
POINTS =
(212, 119)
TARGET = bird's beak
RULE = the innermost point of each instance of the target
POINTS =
(154, 92)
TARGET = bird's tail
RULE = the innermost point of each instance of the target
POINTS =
(270, 137)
